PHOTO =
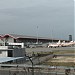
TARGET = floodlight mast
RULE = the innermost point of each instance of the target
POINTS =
(37, 34)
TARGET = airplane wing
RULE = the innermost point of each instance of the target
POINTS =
(6, 59)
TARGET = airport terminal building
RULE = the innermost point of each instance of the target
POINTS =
(14, 38)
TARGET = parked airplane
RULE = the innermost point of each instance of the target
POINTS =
(66, 44)
(54, 45)
(63, 44)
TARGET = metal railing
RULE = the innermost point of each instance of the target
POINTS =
(23, 69)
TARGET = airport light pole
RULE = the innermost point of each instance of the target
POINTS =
(52, 35)
(37, 34)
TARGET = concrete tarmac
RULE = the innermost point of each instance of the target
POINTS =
(37, 50)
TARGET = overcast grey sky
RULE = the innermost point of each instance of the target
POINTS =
(54, 18)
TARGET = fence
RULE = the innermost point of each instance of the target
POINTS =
(36, 70)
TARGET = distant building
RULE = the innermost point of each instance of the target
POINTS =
(14, 52)
(70, 37)
(8, 51)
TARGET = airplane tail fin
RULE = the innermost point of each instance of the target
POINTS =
(58, 42)
(63, 42)
(71, 41)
